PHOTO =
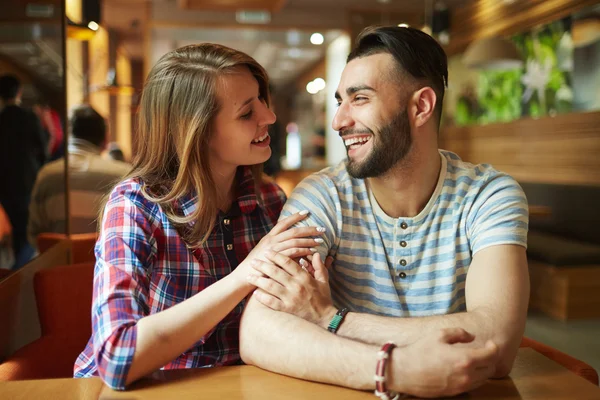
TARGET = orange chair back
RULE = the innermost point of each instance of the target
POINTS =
(64, 300)
(571, 363)
(82, 245)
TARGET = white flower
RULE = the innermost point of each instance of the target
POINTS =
(536, 78)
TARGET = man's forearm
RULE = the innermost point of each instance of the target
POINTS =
(481, 323)
(285, 344)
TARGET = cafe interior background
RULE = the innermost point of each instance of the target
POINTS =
(523, 95)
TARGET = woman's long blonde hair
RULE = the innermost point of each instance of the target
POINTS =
(177, 108)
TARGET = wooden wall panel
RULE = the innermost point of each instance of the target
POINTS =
(484, 18)
(564, 149)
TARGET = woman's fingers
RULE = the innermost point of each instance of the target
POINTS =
(288, 244)
(288, 222)
(299, 232)
(298, 252)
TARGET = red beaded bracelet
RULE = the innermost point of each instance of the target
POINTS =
(380, 387)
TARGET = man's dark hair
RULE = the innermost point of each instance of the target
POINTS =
(9, 87)
(87, 124)
(417, 54)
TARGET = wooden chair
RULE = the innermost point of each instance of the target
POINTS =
(64, 300)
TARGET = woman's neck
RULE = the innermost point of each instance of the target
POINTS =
(225, 188)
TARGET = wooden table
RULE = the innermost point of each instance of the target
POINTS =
(534, 377)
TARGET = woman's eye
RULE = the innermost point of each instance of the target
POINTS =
(248, 115)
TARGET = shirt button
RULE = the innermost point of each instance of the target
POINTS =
(402, 275)
(226, 221)
(404, 225)
(403, 243)
(229, 247)
(403, 262)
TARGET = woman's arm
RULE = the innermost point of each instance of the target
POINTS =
(129, 342)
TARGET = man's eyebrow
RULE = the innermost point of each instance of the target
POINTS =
(353, 89)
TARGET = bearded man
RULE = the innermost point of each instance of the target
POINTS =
(427, 251)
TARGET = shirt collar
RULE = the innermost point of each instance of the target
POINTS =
(81, 146)
(245, 203)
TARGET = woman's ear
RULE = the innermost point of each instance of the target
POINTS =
(423, 105)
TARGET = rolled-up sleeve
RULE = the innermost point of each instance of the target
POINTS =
(124, 253)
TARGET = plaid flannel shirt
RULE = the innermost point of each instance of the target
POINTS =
(143, 267)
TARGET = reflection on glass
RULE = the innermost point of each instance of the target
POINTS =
(32, 106)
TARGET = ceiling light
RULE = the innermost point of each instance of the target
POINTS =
(492, 53)
(319, 84)
(316, 38)
(311, 87)
(403, 25)
(93, 25)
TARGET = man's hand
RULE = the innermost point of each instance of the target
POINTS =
(5, 226)
(435, 366)
(283, 285)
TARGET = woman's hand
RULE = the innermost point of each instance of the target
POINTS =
(283, 285)
(291, 242)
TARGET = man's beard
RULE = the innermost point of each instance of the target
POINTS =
(389, 146)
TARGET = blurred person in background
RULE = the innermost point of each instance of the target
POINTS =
(90, 175)
(23, 151)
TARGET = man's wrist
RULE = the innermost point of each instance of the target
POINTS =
(327, 317)
(397, 371)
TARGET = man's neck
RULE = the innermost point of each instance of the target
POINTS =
(407, 188)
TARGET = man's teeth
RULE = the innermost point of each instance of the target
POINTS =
(361, 140)
(260, 139)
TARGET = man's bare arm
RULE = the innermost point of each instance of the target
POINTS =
(434, 366)
(497, 293)
(497, 296)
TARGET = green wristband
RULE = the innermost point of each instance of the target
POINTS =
(337, 320)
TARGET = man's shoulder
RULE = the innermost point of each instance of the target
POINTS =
(335, 176)
(111, 167)
(473, 176)
(51, 175)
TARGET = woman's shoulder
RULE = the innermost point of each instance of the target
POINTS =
(129, 196)
(270, 192)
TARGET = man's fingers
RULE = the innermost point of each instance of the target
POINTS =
(267, 285)
(269, 301)
(486, 355)
(455, 335)
(271, 271)
(321, 273)
(328, 262)
(285, 262)
(288, 222)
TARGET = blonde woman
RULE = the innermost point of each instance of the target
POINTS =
(179, 235)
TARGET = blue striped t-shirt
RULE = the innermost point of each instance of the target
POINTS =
(410, 266)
